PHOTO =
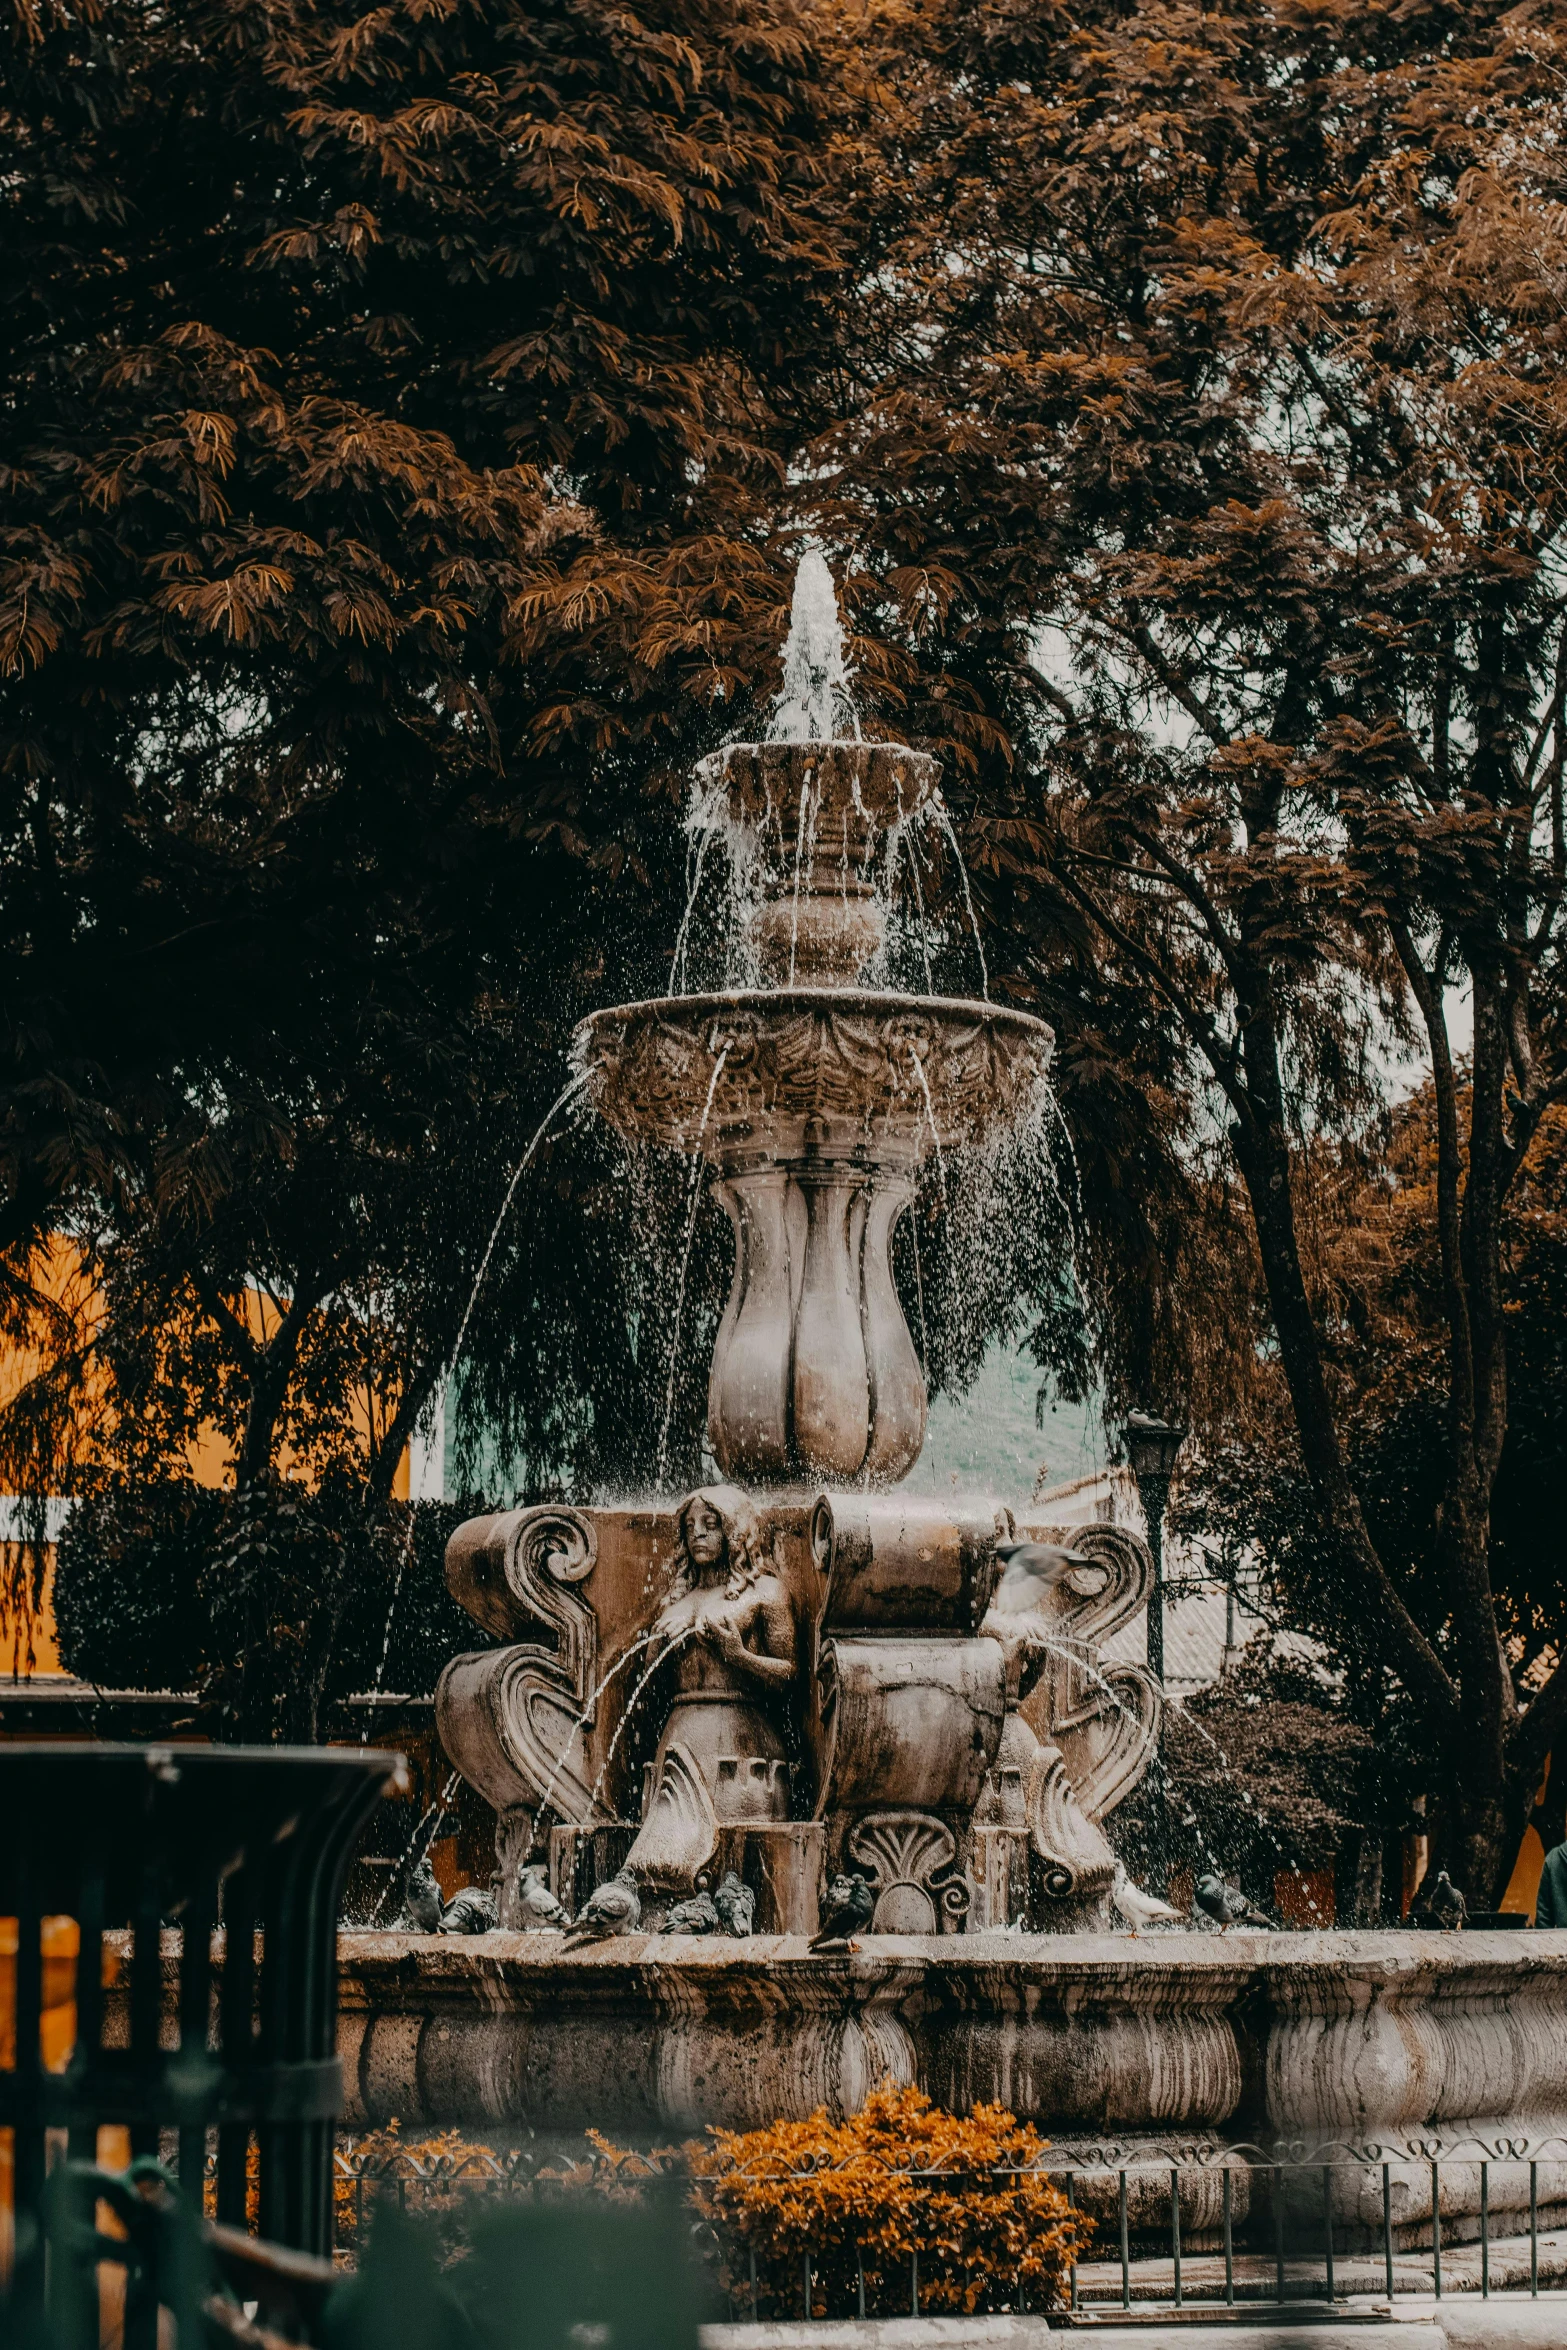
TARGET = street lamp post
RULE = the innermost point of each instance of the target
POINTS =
(1152, 1446)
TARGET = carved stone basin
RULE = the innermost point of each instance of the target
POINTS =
(797, 1069)
(816, 1105)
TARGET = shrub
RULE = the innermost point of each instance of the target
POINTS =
(899, 2181)
(146, 1588)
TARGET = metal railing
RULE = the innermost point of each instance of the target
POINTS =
(167, 1937)
(1174, 2228)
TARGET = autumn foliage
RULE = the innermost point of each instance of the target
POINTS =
(411, 418)
(900, 2186)
(899, 2183)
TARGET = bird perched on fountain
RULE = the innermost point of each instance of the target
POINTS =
(614, 1907)
(735, 1904)
(1141, 1909)
(471, 1911)
(850, 1902)
(1443, 1905)
(538, 1911)
(1227, 1904)
(699, 1915)
(1030, 1569)
(422, 1898)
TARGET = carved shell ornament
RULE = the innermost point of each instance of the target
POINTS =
(911, 1859)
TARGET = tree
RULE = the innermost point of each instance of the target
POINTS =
(393, 407)
(1375, 1272)
(1207, 465)
(1267, 1771)
(366, 375)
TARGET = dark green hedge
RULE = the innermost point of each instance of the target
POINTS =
(135, 1589)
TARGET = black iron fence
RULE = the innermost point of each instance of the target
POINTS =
(171, 1981)
(1172, 2229)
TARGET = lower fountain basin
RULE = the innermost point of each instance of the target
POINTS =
(1415, 2044)
(780, 1069)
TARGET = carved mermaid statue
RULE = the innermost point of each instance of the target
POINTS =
(727, 1637)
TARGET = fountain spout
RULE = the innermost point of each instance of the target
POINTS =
(815, 704)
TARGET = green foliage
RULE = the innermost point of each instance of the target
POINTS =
(1268, 1769)
(272, 1604)
(534, 2277)
(1207, 469)
(127, 1575)
(409, 423)
(384, 484)
(1376, 1273)
(398, 2299)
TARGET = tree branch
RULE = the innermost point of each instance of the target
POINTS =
(385, 1456)
(1536, 1730)
(1174, 683)
(1221, 1058)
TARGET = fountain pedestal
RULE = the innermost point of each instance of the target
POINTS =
(920, 1754)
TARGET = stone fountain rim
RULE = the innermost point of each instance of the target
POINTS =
(862, 1002)
(1385, 1957)
(711, 762)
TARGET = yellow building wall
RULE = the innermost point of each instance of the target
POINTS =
(66, 1282)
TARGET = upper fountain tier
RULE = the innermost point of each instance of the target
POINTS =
(784, 1073)
(815, 1098)
(818, 813)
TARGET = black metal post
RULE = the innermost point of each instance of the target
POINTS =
(1153, 1491)
(1152, 1447)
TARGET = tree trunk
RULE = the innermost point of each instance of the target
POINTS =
(271, 1367)
(1481, 1826)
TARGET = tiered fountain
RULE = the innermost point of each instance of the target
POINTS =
(795, 1675)
(842, 1687)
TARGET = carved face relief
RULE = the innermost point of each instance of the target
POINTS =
(702, 1530)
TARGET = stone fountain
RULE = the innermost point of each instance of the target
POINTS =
(842, 1681)
(797, 1674)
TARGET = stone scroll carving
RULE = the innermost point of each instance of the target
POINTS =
(513, 1719)
(1079, 1734)
(1103, 1714)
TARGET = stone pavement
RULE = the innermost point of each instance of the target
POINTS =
(1504, 2323)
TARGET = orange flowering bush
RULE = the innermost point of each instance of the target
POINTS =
(899, 2183)
(441, 2176)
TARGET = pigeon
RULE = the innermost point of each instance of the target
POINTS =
(735, 1904)
(472, 1911)
(696, 1916)
(1440, 1905)
(1032, 1569)
(538, 1911)
(1228, 1904)
(1139, 1908)
(612, 1908)
(422, 1898)
(850, 1902)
